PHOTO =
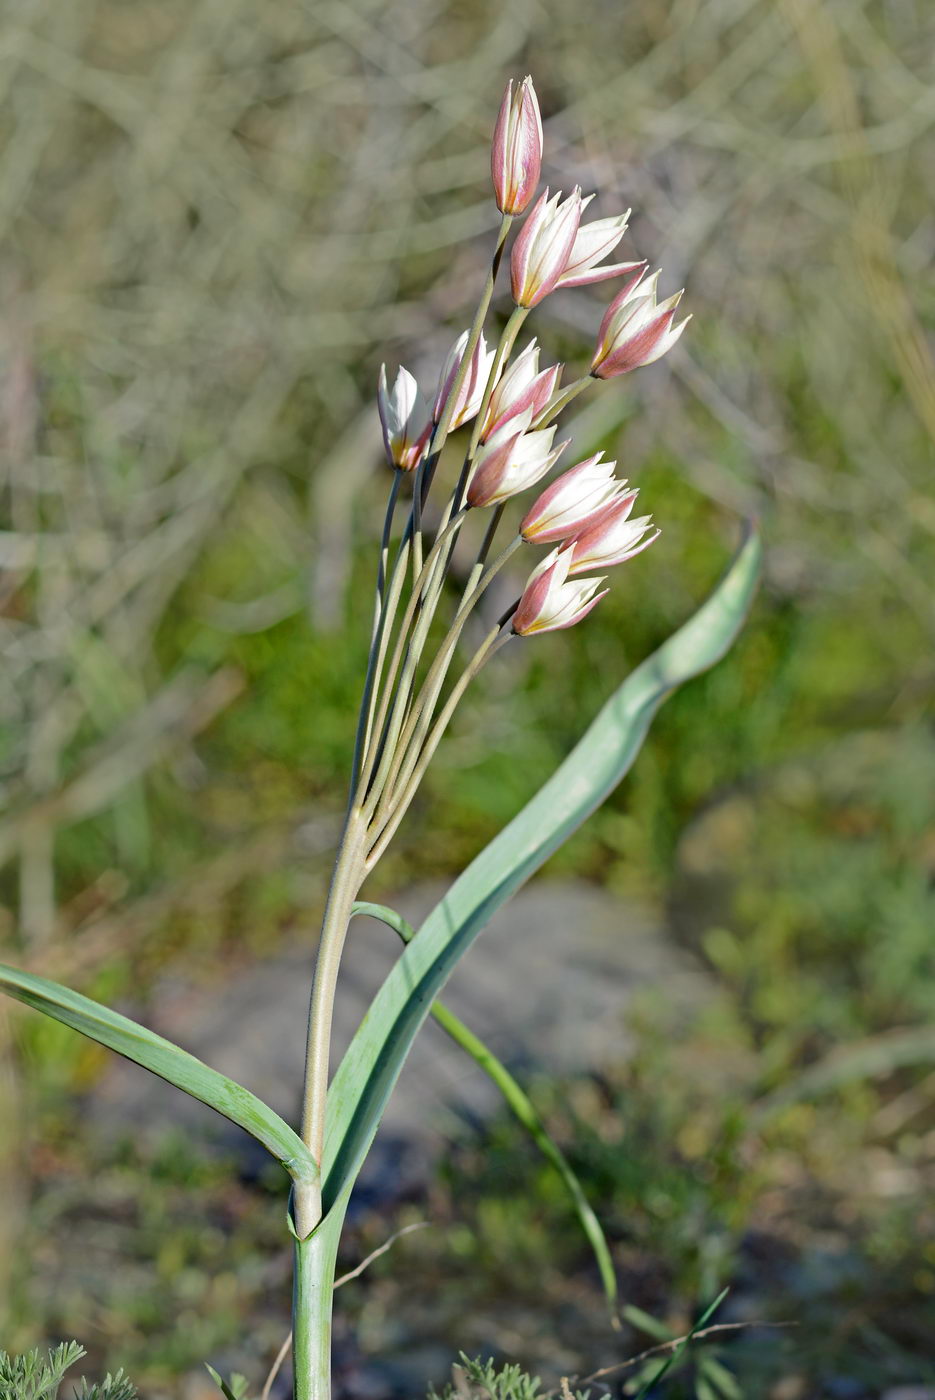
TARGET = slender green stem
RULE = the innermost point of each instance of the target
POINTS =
(388, 616)
(491, 644)
(553, 409)
(477, 570)
(377, 644)
(418, 493)
(385, 543)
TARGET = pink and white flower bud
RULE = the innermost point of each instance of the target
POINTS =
(404, 416)
(516, 152)
(550, 601)
(574, 501)
(543, 245)
(592, 242)
(475, 381)
(636, 330)
(521, 387)
(512, 460)
(612, 538)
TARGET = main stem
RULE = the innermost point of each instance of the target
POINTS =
(348, 875)
(312, 1292)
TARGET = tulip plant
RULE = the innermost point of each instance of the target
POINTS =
(414, 681)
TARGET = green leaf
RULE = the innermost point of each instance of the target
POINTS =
(520, 1103)
(723, 1381)
(371, 1066)
(679, 1350)
(645, 1322)
(171, 1063)
(237, 1390)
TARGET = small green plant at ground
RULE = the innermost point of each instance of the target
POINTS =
(38, 1376)
(474, 1379)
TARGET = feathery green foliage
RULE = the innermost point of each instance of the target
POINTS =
(34, 1376)
(482, 1380)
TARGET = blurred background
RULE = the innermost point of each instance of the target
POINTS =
(218, 218)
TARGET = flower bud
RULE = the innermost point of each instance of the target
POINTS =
(475, 381)
(612, 538)
(550, 602)
(516, 153)
(544, 244)
(574, 501)
(635, 330)
(521, 387)
(592, 242)
(512, 460)
(405, 419)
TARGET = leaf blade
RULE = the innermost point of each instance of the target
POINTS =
(168, 1061)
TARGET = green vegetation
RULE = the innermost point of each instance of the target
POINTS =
(37, 1377)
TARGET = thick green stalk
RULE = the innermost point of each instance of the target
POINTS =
(312, 1294)
(348, 875)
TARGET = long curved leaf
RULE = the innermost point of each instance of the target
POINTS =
(371, 1066)
(519, 1102)
(170, 1062)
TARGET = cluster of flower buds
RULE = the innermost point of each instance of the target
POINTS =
(587, 509)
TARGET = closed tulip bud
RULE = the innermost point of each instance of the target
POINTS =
(636, 330)
(512, 460)
(574, 501)
(543, 245)
(516, 153)
(475, 381)
(592, 242)
(612, 538)
(521, 387)
(405, 419)
(550, 601)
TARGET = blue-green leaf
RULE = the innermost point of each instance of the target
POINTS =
(171, 1063)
